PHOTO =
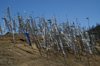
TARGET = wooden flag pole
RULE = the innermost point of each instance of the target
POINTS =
(9, 15)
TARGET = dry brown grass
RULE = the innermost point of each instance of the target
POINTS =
(23, 55)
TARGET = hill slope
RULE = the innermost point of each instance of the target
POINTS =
(23, 55)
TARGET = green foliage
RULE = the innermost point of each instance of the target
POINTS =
(95, 30)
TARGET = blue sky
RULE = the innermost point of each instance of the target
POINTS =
(72, 8)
